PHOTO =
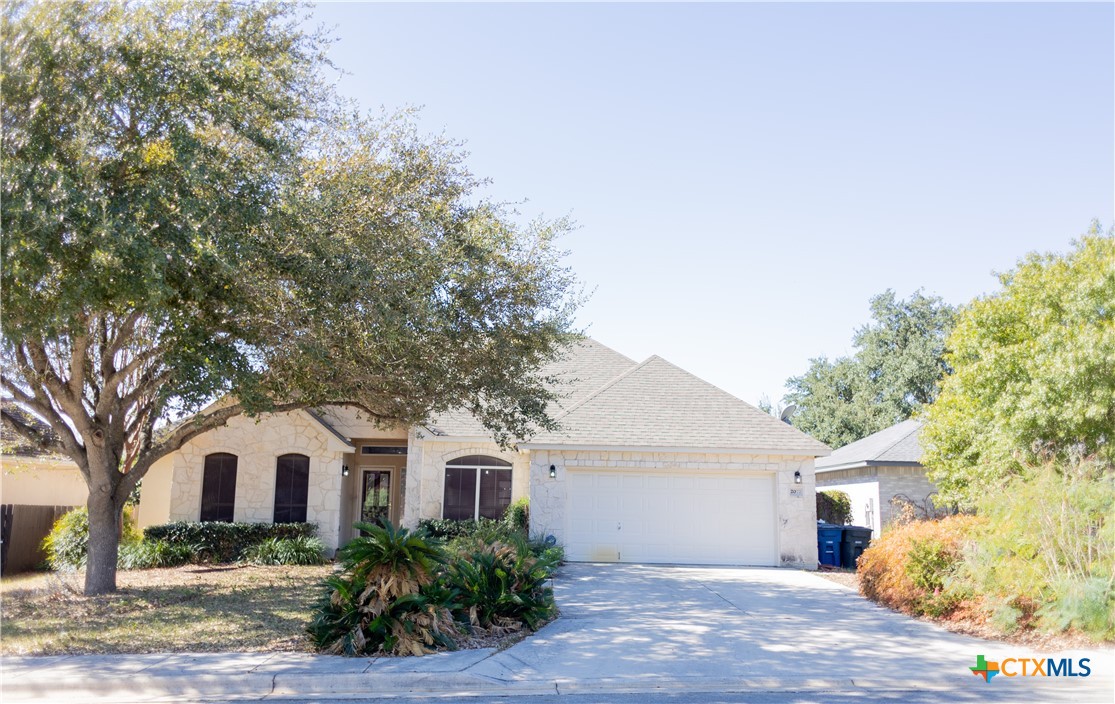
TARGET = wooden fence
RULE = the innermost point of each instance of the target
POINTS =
(22, 529)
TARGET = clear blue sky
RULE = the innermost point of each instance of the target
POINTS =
(747, 176)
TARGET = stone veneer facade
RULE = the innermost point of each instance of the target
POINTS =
(426, 460)
(257, 446)
(797, 509)
(172, 489)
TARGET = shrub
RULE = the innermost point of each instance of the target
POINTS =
(1047, 548)
(286, 551)
(147, 554)
(501, 586)
(67, 544)
(215, 541)
(517, 516)
(911, 567)
(834, 506)
(447, 528)
(386, 599)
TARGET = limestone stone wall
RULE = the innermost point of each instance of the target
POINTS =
(257, 446)
(797, 510)
(426, 458)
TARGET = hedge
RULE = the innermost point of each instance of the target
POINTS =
(216, 541)
(448, 528)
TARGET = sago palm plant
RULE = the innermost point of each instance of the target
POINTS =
(500, 587)
(379, 603)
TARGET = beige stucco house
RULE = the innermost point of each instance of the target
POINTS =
(651, 465)
(877, 472)
(30, 476)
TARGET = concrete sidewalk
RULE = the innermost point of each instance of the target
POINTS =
(286, 676)
(624, 629)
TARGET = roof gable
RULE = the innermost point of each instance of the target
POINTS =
(897, 444)
(657, 404)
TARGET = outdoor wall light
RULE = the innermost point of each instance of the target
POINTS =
(797, 477)
(553, 472)
(344, 470)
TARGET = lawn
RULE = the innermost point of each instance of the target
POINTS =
(192, 609)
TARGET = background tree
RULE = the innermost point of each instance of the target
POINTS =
(189, 215)
(894, 371)
(1033, 373)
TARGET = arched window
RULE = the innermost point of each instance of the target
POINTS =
(476, 486)
(218, 487)
(292, 484)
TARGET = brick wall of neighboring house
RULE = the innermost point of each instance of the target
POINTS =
(875, 486)
(910, 482)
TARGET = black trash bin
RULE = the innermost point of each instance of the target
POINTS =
(828, 543)
(852, 545)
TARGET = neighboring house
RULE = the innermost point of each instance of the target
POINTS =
(878, 470)
(36, 488)
(651, 464)
(32, 477)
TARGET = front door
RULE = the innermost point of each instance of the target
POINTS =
(375, 501)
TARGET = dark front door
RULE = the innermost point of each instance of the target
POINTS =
(375, 502)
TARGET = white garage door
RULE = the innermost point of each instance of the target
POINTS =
(699, 519)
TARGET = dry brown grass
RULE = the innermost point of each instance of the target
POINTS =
(192, 609)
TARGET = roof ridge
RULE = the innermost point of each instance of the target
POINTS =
(732, 396)
(901, 437)
(607, 385)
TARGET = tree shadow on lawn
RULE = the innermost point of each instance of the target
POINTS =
(262, 614)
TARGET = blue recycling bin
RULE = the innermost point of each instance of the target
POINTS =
(829, 536)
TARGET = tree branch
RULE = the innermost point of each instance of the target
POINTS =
(77, 361)
(40, 439)
(40, 404)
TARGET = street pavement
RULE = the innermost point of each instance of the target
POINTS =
(627, 633)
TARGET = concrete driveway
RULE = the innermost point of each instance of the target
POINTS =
(663, 633)
(704, 625)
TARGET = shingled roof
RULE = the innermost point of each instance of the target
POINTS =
(584, 368)
(13, 444)
(897, 444)
(658, 405)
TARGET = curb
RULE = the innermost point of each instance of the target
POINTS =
(140, 688)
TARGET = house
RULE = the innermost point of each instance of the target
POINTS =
(36, 487)
(878, 472)
(33, 477)
(651, 464)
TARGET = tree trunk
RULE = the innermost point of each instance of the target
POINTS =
(105, 513)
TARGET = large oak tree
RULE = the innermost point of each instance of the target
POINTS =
(189, 214)
(894, 371)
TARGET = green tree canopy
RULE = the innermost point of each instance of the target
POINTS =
(1033, 372)
(893, 372)
(190, 214)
